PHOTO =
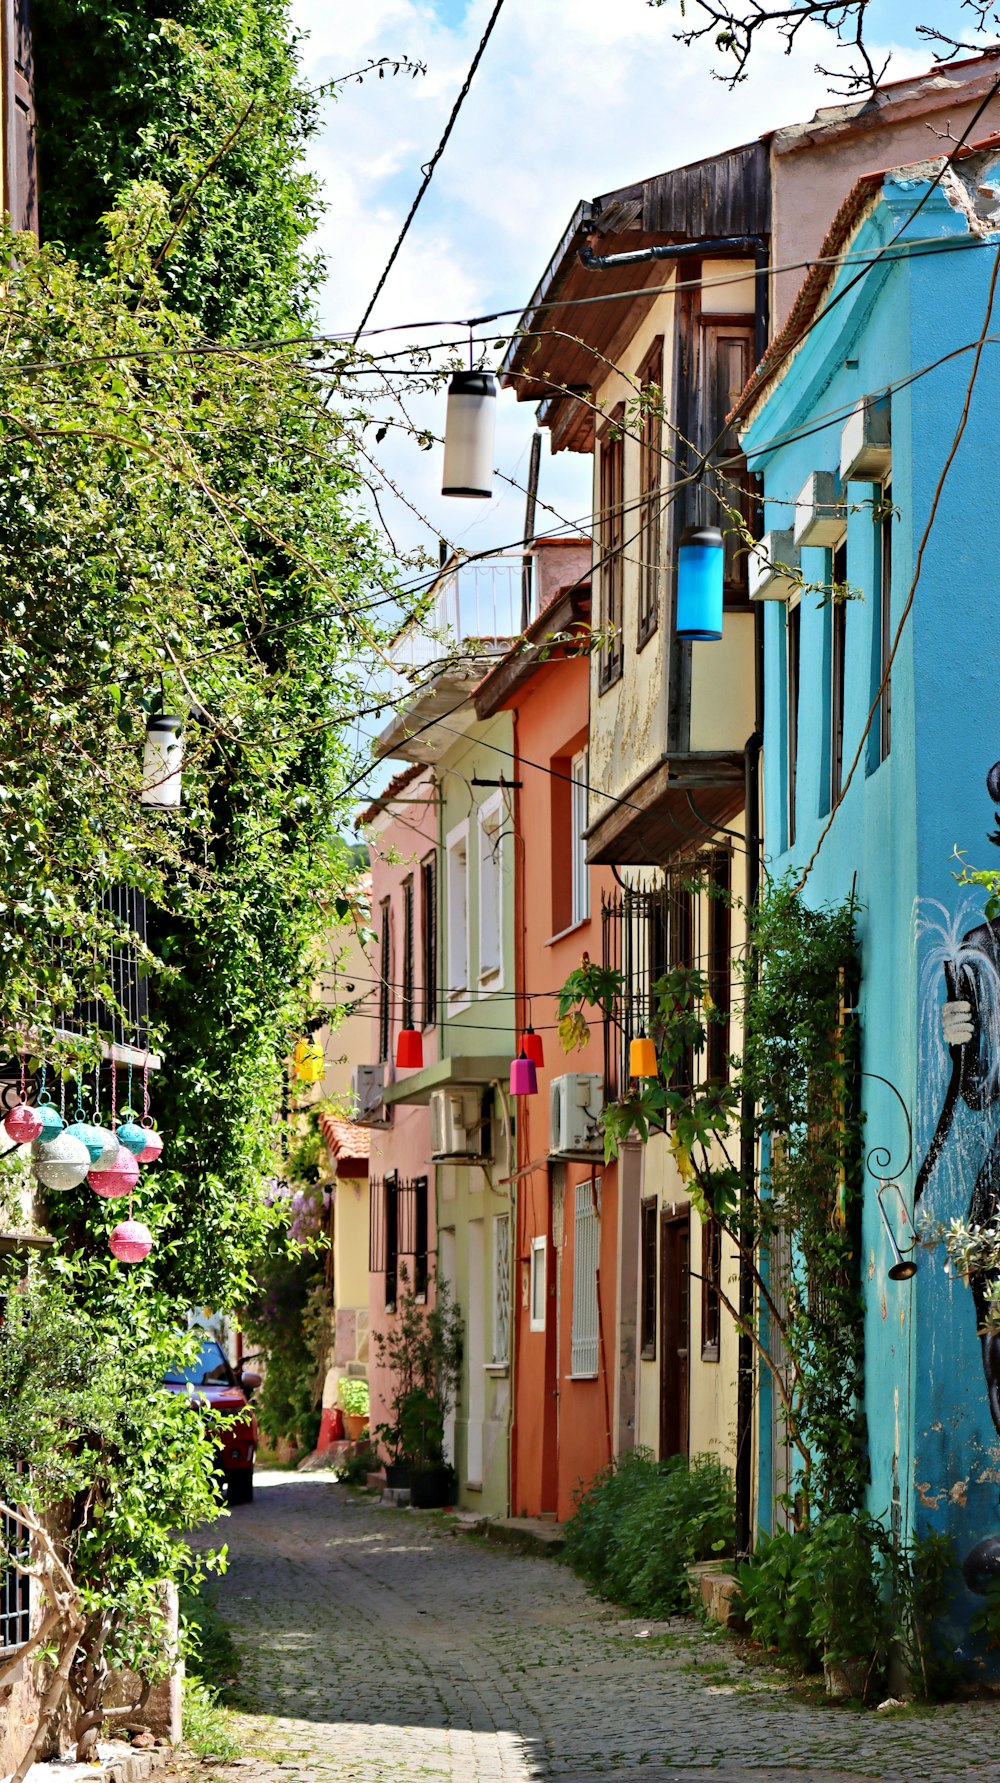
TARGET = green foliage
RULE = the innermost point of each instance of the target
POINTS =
(353, 1396)
(422, 1349)
(641, 1523)
(363, 1460)
(285, 1316)
(206, 1724)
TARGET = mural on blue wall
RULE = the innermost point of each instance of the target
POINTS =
(961, 1051)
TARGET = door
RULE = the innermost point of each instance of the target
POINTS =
(475, 1348)
(675, 1321)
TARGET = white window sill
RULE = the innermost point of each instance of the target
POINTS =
(583, 1377)
(564, 933)
(497, 1368)
(491, 981)
(459, 1001)
(533, 1326)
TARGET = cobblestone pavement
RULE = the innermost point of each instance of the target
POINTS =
(377, 1645)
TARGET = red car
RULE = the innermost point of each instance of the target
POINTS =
(212, 1381)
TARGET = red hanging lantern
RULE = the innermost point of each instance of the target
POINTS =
(532, 1048)
(130, 1241)
(118, 1179)
(23, 1124)
(409, 1049)
(523, 1078)
(153, 1146)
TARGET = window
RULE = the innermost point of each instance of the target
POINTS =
(15, 1587)
(719, 973)
(727, 359)
(501, 1290)
(647, 1279)
(490, 891)
(793, 648)
(580, 908)
(611, 536)
(885, 622)
(682, 916)
(383, 1233)
(458, 913)
(711, 1277)
(586, 1261)
(650, 498)
(428, 938)
(384, 983)
(408, 1013)
(838, 631)
(536, 1286)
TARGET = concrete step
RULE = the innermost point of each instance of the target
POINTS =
(531, 1535)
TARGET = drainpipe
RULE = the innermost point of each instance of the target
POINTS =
(688, 250)
(748, 1148)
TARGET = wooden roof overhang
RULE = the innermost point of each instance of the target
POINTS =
(676, 807)
(564, 340)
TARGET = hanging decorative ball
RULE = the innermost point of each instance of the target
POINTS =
(52, 1121)
(109, 1148)
(132, 1137)
(152, 1148)
(119, 1178)
(23, 1123)
(60, 1163)
(94, 1138)
(131, 1241)
(308, 1062)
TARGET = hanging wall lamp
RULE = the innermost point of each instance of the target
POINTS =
(469, 427)
(409, 1049)
(523, 1078)
(532, 1047)
(162, 759)
(903, 1266)
(700, 564)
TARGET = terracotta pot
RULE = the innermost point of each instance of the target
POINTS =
(355, 1423)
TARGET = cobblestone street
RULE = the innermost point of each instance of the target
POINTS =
(377, 1645)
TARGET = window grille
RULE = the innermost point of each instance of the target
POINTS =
(384, 986)
(383, 1233)
(586, 1260)
(711, 1279)
(501, 1288)
(408, 1014)
(611, 532)
(649, 1216)
(412, 1227)
(15, 1587)
(428, 937)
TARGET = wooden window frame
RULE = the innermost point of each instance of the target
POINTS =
(384, 982)
(712, 329)
(651, 576)
(611, 537)
(711, 1281)
(428, 939)
(649, 1299)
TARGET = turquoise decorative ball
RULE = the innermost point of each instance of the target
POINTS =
(132, 1137)
(95, 1139)
(52, 1121)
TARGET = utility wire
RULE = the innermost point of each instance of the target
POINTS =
(429, 166)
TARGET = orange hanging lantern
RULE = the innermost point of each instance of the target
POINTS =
(642, 1058)
(532, 1048)
(308, 1063)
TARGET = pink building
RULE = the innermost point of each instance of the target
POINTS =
(401, 829)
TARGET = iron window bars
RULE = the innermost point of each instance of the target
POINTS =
(399, 1232)
(15, 1586)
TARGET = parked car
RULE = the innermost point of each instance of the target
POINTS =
(212, 1381)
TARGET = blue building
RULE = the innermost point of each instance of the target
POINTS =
(851, 419)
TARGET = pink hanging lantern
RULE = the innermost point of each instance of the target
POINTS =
(523, 1077)
(131, 1241)
(152, 1148)
(23, 1124)
(118, 1179)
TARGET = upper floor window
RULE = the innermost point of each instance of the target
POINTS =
(428, 938)
(408, 1007)
(650, 497)
(838, 664)
(793, 648)
(501, 1290)
(611, 541)
(726, 361)
(384, 981)
(719, 966)
(458, 912)
(885, 620)
(579, 873)
(490, 890)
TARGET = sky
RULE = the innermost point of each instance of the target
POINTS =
(573, 98)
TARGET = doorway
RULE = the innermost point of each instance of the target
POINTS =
(675, 1325)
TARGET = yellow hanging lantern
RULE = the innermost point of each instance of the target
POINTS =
(642, 1058)
(308, 1063)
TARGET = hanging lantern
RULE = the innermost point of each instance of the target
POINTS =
(700, 563)
(152, 1148)
(130, 1241)
(523, 1080)
(23, 1123)
(61, 1163)
(52, 1121)
(308, 1063)
(107, 1156)
(116, 1179)
(469, 427)
(642, 1058)
(162, 759)
(132, 1137)
(96, 1139)
(532, 1048)
(409, 1049)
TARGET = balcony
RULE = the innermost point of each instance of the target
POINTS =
(474, 613)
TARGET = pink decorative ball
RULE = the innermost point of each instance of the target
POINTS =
(152, 1148)
(119, 1178)
(23, 1123)
(131, 1241)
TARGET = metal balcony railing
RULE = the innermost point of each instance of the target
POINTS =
(477, 610)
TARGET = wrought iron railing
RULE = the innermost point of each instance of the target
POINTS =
(15, 1586)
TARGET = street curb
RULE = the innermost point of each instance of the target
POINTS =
(523, 1534)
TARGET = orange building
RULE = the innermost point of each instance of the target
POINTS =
(568, 1402)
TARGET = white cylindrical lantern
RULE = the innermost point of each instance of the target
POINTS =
(469, 427)
(162, 759)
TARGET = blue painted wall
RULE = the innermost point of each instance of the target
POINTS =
(934, 1449)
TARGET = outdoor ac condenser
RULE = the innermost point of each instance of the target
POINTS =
(575, 1103)
(368, 1089)
(457, 1129)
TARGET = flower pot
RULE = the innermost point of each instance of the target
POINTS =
(397, 1475)
(432, 1488)
(355, 1423)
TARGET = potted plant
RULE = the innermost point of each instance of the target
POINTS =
(423, 1352)
(353, 1395)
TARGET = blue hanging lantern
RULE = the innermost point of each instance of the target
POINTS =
(700, 562)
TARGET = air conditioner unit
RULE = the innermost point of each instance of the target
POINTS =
(368, 1090)
(865, 443)
(820, 511)
(459, 1128)
(575, 1103)
(773, 567)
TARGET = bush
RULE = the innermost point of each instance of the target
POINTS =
(353, 1396)
(641, 1523)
